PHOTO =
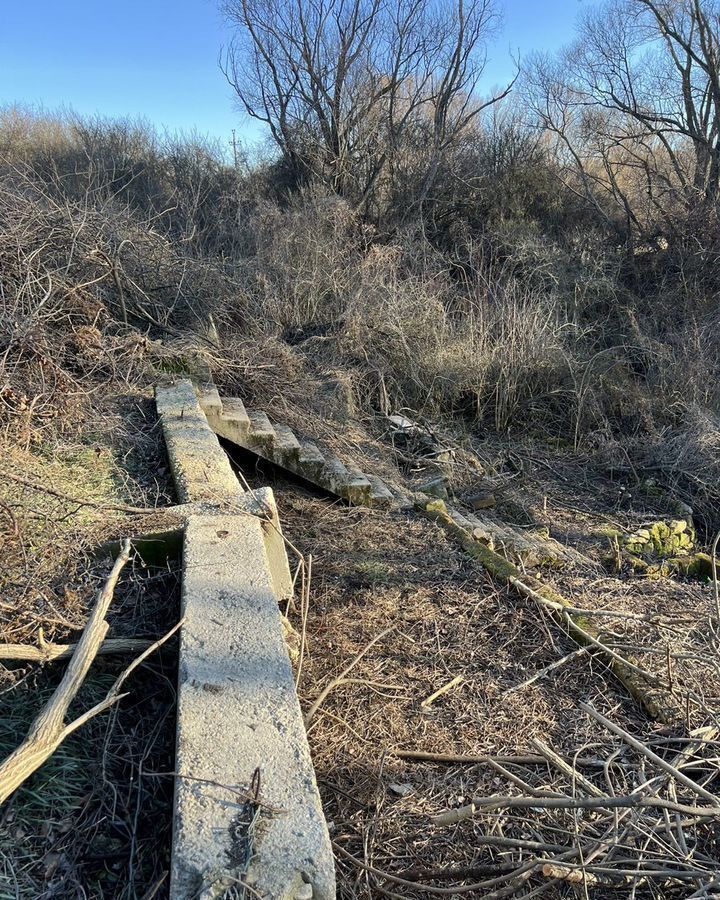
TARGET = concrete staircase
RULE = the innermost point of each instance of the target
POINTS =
(252, 430)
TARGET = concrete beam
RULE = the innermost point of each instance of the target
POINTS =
(239, 727)
(204, 478)
(200, 466)
(246, 802)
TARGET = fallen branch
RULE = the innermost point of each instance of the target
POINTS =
(653, 757)
(428, 701)
(49, 730)
(572, 876)
(50, 652)
(554, 665)
(646, 688)
(481, 759)
(575, 777)
(629, 801)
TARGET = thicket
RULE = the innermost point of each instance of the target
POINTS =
(532, 280)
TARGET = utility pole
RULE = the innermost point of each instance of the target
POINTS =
(235, 151)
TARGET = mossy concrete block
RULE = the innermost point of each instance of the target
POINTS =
(699, 565)
(662, 539)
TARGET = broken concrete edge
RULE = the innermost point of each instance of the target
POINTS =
(247, 807)
(203, 475)
(658, 704)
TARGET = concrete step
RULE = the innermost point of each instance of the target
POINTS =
(261, 434)
(235, 414)
(232, 423)
(380, 494)
(334, 476)
(252, 430)
(287, 446)
(459, 519)
(359, 487)
(310, 461)
(209, 398)
(524, 547)
(404, 501)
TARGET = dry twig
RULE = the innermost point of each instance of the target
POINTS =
(49, 730)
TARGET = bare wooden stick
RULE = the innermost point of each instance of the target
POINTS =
(49, 730)
(572, 876)
(480, 759)
(428, 701)
(113, 695)
(50, 652)
(648, 753)
(716, 583)
(575, 777)
(320, 699)
(581, 651)
(631, 801)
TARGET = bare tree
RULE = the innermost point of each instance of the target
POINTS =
(635, 109)
(358, 91)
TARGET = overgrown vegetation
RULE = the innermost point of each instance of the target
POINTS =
(537, 266)
(507, 302)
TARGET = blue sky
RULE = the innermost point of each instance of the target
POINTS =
(158, 59)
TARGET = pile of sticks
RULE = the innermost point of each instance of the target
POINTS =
(644, 815)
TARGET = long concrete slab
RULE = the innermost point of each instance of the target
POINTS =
(200, 466)
(247, 809)
(240, 729)
(203, 475)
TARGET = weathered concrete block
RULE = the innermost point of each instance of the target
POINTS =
(261, 502)
(310, 461)
(231, 422)
(240, 726)
(203, 474)
(200, 466)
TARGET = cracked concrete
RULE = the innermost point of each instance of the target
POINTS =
(247, 806)
(238, 714)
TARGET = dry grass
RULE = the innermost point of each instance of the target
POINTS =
(95, 819)
(328, 326)
(372, 572)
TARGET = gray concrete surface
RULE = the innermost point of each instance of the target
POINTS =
(238, 715)
(240, 733)
(252, 430)
(203, 475)
(200, 466)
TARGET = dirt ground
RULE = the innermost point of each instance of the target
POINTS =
(400, 576)
(94, 821)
